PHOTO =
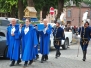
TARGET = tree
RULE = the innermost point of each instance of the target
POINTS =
(60, 8)
(8, 6)
(20, 9)
(30, 3)
(87, 2)
(44, 5)
(14, 6)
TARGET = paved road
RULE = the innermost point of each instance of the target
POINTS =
(68, 59)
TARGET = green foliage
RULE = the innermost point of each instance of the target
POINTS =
(77, 2)
(87, 2)
(21, 22)
(5, 5)
(35, 23)
(39, 4)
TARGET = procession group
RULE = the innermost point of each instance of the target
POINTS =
(22, 41)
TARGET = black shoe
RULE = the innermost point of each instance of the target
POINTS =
(25, 64)
(43, 58)
(59, 54)
(19, 61)
(37, 57)
(41, 61)
(31, 61)
(83, 59)
(46, 57)
(56, 57)
(84, 55)
(12, 63)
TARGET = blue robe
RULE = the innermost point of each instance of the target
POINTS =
(86, 36)
(28, 42)
(59, 34)
(45, 40)
(13, 43)
(36, 49)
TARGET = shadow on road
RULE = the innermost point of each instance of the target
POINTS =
(2, 58)
(53, 49)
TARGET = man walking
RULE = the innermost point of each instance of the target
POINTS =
(85, 32)
(13, 42)
(29, 42)
(58, 37)
(45, 40)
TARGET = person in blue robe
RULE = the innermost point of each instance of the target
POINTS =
(45, 40)
(13, 42)
(85, 33)
(29, 42)
(58, 34)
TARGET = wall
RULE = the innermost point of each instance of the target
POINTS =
(76, 15)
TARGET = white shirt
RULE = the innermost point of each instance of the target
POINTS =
(26, 30)
(45, 30)
(13, 30)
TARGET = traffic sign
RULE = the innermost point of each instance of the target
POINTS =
(51, 10)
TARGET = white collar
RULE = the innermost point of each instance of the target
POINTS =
(13, 29)
(26, 30)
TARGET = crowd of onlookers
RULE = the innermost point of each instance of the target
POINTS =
(69, 28)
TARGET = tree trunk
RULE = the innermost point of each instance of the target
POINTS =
(30, 3)
(20, 9)
(44, 12)
(13, 11)
(60, 8)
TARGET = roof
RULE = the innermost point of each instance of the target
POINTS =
(82, 5)
(31, 9)
(3, 18)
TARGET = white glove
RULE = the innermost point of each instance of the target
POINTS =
(62, 42)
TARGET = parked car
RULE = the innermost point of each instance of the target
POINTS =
(4, 22)
(3, 47)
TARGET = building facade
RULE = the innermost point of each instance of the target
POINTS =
(74, 14)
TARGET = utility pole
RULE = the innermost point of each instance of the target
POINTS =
(79, 14)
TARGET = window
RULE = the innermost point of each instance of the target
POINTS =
(5, 23)
(69, 13)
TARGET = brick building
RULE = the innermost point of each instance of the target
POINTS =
(74, 14)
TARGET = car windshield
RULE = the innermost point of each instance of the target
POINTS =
(4, 22)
